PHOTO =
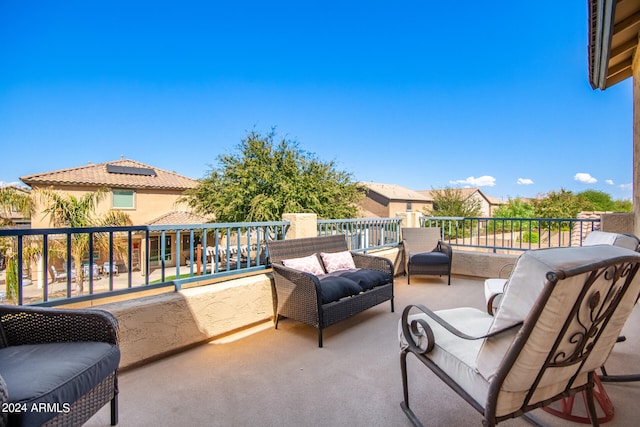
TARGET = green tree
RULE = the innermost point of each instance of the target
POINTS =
(264, 179)
(12, 200)
(622, 206)
(598, 200)
(66, 210)
(514, 208)
(559, 204)
(451, 202)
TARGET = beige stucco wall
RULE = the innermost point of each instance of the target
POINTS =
(301, 225)
(396, 207)
(391, 209)
(374, 207)
(617, 222)
(485, 207)
(149, 205)
(158, 325)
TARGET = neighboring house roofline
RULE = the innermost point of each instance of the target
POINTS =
(394, 192)
(125, 176)
(179, 217)
(466, 193)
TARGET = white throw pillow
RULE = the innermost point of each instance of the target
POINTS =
(335, 261)
(308, 264)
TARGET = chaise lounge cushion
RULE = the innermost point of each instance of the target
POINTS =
(54, 374)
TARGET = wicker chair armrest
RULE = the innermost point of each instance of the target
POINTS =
(36, 325)
(445, 247)
(4, 397)
(372, 262)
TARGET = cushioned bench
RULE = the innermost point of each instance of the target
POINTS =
(318, 281)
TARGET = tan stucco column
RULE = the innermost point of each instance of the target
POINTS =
(409, 219)
(301, 225)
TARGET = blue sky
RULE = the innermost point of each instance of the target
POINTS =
(419, 94)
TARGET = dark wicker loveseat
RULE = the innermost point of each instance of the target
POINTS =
(322, 300)
(57, 366)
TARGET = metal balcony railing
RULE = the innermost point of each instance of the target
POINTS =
(42, 270)
(512, 234)
(363, 234)
(42, 266)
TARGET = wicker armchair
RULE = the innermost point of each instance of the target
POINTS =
(298, 295)
(57, 366)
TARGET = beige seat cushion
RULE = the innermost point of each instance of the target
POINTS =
(614, 239)
(457, 356)
(525, 286)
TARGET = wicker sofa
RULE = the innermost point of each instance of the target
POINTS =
(329, 296)
(57, 366)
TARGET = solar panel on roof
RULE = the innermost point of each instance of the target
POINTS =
(130, 170)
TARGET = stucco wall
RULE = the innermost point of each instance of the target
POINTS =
(392, 208)
(480, 264)
(159, 325)
(154, 326)
(149, 205)
(374, 207)
(619, 222)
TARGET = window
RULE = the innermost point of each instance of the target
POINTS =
(409, 206)
(123, 199)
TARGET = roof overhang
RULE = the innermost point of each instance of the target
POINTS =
(613, 37)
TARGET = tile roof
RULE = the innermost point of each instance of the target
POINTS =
(179, 217)
(395, 192)
(466, 192)
(97, 175)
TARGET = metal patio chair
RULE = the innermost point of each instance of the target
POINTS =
(559, 319)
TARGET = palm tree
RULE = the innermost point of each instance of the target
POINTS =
(12, 200)
(65, 210)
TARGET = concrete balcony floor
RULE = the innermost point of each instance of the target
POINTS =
(267, 377)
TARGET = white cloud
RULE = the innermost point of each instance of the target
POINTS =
(524, 181)
(482, 181)
(626, 186)
(584, 178)
(609, 181)
(11, 184)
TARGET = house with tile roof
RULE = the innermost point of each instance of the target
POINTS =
(149, 195)
(142, 191)
(488, 204)
(387, 200)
